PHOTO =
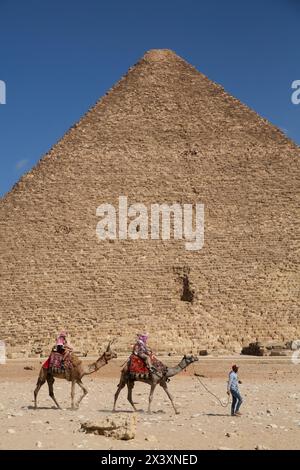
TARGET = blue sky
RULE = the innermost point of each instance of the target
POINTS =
(57, 57)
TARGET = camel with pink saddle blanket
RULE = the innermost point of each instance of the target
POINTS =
(73, 370)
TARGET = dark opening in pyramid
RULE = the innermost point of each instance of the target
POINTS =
(164, 133)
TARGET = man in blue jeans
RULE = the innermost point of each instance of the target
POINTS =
(233, 388)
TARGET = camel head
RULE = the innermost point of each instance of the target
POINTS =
(110, 353)
(190, 359)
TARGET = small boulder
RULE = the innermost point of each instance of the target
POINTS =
(254, 349)
(275, 352)
(295, 345)
(203, 352)
(117, 426)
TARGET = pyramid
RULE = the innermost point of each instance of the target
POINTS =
(164, 133)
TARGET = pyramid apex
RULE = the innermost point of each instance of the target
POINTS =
(159, 55)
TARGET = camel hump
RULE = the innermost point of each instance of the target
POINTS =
(75, 360)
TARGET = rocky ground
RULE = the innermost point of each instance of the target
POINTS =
(271, 408)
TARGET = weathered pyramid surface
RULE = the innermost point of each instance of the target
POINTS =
(163, 133)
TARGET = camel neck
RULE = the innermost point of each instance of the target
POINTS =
(175, 370)
(94, 366)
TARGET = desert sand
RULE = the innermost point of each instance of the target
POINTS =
(270, 412)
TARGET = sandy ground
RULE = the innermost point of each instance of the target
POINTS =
(271, 408)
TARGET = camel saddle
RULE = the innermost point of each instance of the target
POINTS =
(138, 369)
(55, 363)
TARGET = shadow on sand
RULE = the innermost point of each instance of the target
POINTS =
(31, 407)
(120, 410)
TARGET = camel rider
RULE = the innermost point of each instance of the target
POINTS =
(141, 350)
(62, 346)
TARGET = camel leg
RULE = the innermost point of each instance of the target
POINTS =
(130, 385)
(165, 387)
(120, 386)
(50, 381)
(73, 395)
(153, 385)
(85, 392)
(39, 384)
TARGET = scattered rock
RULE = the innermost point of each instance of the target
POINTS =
(203, 352)
(278, 353)
(117, 426)
(294, 396)
(28, 368)
(254, 349)
(272, 426)
(228, 434)
(275, 346)
(38, 444)
(261, 447)
(151, 438)
(294, 345)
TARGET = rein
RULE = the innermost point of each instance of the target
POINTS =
(224, 405)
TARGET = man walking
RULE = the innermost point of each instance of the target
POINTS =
(233, 389)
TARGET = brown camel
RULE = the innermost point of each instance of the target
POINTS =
(153, 380)
(73, 375)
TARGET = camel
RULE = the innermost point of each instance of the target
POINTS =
(153, 380)
(73, 375)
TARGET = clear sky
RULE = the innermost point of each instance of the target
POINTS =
(57, 57)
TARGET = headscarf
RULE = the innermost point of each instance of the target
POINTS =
(143, 337)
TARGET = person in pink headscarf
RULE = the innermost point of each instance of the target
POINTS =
(141, 350)
(62, 345)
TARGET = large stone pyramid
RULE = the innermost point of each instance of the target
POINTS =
(164, 133)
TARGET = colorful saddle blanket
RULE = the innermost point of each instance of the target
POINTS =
(56, 364)
(138, 368)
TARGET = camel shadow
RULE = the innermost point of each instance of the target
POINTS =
(121, 411)
(31, 407)
(141, 411)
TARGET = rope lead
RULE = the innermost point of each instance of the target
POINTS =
(211, 393)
